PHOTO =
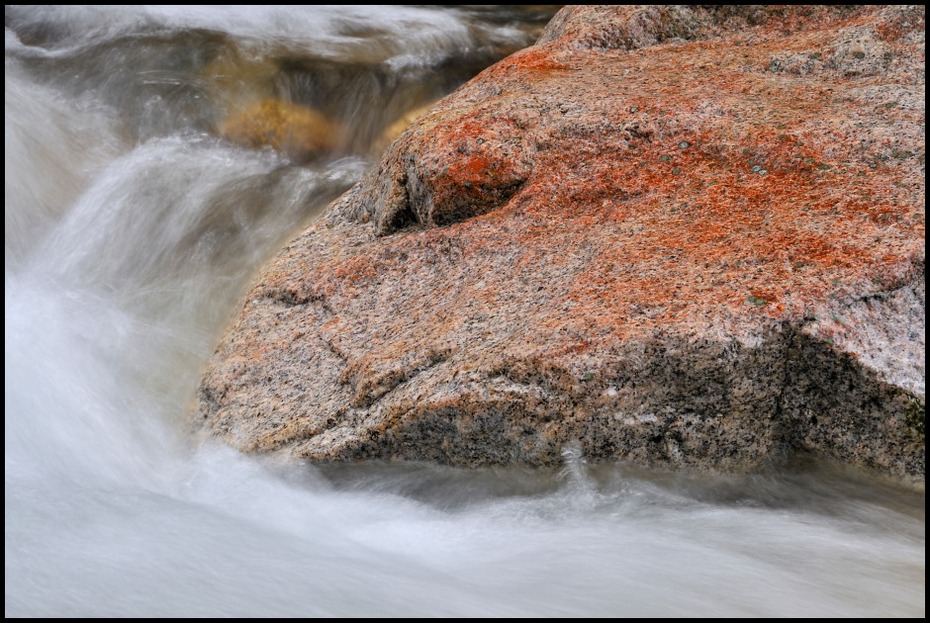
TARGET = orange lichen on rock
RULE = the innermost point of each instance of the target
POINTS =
(532, 59)
(632, 238)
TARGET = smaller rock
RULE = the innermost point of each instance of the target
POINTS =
(298, 131)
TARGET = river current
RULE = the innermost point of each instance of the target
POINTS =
(132, 229)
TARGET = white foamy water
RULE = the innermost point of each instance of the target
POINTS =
(131, 232)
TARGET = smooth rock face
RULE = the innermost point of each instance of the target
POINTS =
(671, 236)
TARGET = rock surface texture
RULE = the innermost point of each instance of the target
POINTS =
(678, 237)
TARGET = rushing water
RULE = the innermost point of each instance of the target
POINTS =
(131, 231)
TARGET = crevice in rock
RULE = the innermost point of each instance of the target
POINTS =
(335, 351)
(786, 433)
(912, 280)
(401, 213)
(373, 387)
(291, 297)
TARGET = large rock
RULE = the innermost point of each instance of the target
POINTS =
(672, 236)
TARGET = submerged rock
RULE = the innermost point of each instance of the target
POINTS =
(642, 239)
(397, 127)
(298, 131)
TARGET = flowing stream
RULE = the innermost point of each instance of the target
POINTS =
(134, 224)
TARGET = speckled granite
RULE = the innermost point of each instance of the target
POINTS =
(672, 236)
